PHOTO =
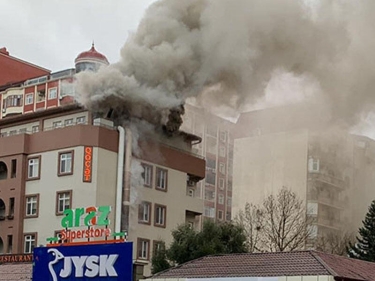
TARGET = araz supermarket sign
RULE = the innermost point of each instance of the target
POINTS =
(84, 262)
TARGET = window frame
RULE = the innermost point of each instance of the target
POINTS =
(140, 220)
(221, 199)
(156, 243)
(222, 168)
(59, 173)
(157, 224)
(37, 195)
(57, 124)
(27, 102)
(144, 165)
(35, 234)
(139, 247)
(79, 118)
(165, 189)
(49, 93)
(57, 211)
(35, 129)
(222, 183)
(39, 157)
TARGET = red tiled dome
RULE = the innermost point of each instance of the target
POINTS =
(92, 54)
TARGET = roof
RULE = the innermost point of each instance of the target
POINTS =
(16, 272)
(91, 54)
(13, 70)
(299, 263)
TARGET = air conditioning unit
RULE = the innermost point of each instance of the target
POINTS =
(4, 110)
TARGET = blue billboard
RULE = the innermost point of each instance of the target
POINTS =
(84, 262)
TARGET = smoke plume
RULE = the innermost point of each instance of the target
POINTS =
(235, 50)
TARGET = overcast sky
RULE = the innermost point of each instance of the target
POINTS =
(51, 33)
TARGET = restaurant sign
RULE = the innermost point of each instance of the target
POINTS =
(18, 258)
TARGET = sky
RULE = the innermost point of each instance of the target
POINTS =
(51, 33)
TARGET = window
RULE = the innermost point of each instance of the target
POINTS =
(228, 216)
(68, 122)
(158, 246)
(81, 120)
(210, 178)
(63, 201)
(13, 132)
(221, 199)
(211, 130)
(191, 192)
(32, 205)
(161, 179)
(229, 201)
(13, 173)
(222, 151)
(29, 242)
(35, 129)
(23, 131)
(313, 165)
(222, 168)
(220, 215)
(143, 247)
(144, 213)
(209, 212)
(211, 146)
(33, 170)
(147, 175)
(4, 134)
(160, 215)
(57, 124)
(65, 164)
(29, 99)
(209, 195)
(211, 163)
(67, 89)
(10, 244)
(223, 136)
(52, 93)
(12, 101)
(221, 184)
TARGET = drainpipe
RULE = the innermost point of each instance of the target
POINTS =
(120, 176)
(126, 190)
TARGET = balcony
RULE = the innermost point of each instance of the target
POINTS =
(327, 179)
(325, 198)
(329, 222)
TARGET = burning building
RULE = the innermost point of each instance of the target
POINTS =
(56, 155)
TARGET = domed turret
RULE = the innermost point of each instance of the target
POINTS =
(90, 60)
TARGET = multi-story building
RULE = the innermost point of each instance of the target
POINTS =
(331, 170)
(55, 155)
(217, 148)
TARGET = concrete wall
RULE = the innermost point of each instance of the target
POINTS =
(264, 164)
(177, 202)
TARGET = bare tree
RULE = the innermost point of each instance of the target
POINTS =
(279, 224)
(334, 243)
(251, 220)
(286, 225)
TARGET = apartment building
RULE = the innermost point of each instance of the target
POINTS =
(329, 169)
(217, 148)
(54, 155)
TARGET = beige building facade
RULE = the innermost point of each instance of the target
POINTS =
(330, 170)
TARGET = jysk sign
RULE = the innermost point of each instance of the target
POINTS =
(87, 262)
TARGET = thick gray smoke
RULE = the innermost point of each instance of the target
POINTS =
(236, 47)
